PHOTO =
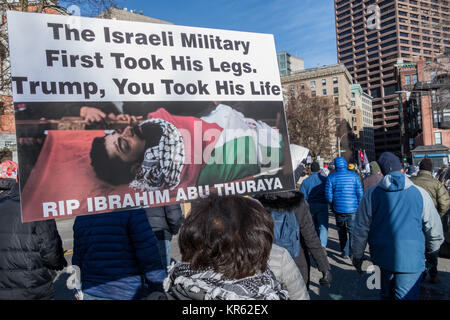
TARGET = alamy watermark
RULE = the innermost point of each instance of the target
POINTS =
(374, 280)
(373, 21)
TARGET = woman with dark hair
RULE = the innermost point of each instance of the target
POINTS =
(225, 244)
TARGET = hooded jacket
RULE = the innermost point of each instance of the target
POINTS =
(435, 189)
(28, 252)
(313, 188)
(400, 223)
(343, 189)
(309, 240)
(118, 255)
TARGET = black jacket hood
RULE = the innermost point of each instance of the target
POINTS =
(281, 201)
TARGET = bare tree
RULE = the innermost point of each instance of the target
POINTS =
(87, 8)
(91, 8)
(312, 123)
(439, 85)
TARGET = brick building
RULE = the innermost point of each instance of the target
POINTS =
(372, 34)
(425, 100)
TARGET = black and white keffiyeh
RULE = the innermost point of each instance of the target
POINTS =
(163, 163)
(210, 285)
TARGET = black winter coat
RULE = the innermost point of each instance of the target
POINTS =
(165, 221)
(28, 251)
(309, 241)
(6, 184)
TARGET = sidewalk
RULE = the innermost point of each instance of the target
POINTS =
(347, 283)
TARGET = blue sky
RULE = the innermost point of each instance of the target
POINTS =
(304, 28)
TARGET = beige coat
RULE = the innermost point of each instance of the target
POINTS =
(287, 273)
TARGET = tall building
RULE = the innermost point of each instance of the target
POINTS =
(288, 63)
(7, 124)
(362, 121)
(372, 34)
(332, 81)
(425, 91)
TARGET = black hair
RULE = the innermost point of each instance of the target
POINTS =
(315, 167)
(111, 170)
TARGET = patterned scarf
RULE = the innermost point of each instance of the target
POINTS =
(214, 286)
(163, 163)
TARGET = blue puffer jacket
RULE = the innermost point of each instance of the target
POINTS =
(115, 253)
(343, 189)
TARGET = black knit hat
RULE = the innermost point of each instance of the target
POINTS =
(389, 162)
(315, 167)
(426, 164)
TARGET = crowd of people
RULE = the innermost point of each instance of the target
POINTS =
(235, 247)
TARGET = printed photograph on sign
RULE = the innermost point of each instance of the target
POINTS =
(117, 114)
(82, 159)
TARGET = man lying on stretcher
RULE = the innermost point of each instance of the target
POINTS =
(166, 151)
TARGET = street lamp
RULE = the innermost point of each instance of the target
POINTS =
(339, 144)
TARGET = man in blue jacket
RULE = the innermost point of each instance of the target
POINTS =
(118, 256)
(313, 188)
(344, 192)
(399, 221)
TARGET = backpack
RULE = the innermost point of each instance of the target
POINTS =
(286, 231)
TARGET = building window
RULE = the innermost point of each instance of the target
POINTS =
(433, 75)
(335, 80)
(407, 80)
(313, 93)
(324, 82)
(335, 90)
(414, 79)
(336, 100)
(302, 85)
(438, 138)
(292, 87)
(313, 84)
(324, 91)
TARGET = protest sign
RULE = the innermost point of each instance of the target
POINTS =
(116, 114)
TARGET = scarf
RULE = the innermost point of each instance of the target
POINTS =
(214, 286)
(163, 163)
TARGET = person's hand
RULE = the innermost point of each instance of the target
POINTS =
(128, 118)
(92, 114)
(357, 263)
(326, 279)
